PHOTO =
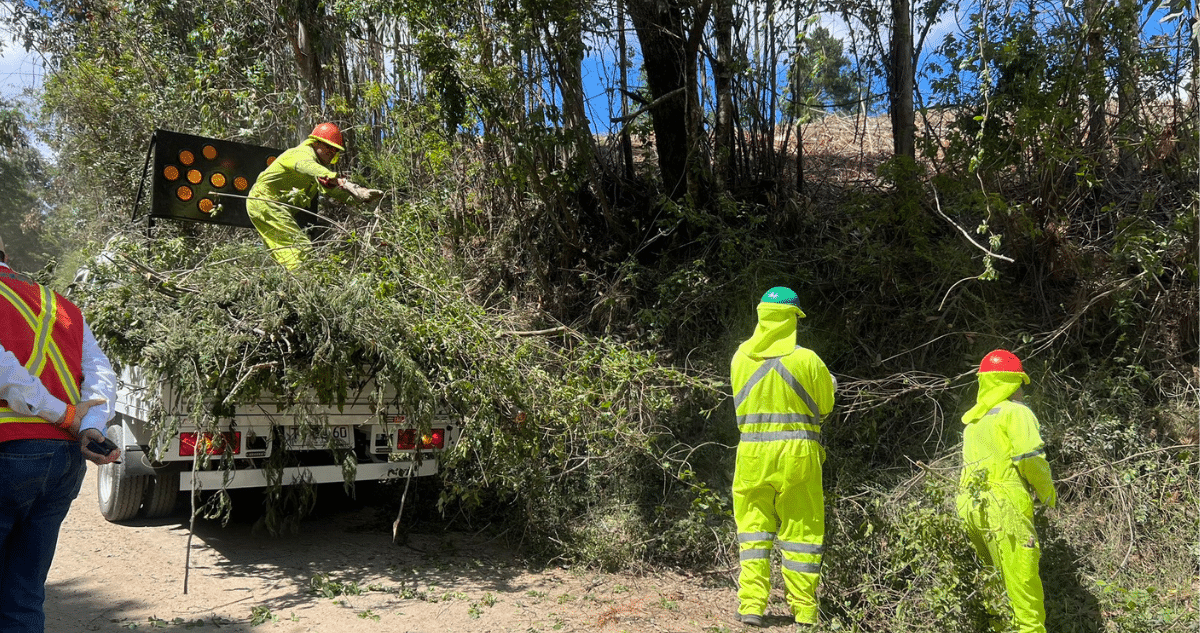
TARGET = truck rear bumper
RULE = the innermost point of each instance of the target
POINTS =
(215, 479)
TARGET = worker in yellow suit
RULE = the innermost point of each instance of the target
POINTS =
(295, 178)
(1003, 459)
(782, 392)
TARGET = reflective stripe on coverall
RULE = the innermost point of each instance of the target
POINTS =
(777, 488)
(291, 178)
(1002, 452)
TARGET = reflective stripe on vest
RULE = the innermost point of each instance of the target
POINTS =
(776, 436)
(776, 418)
(46, 360)
(776, 365)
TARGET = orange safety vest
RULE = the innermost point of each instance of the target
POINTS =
(45, 333)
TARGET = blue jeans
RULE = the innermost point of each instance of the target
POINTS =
(38, 481)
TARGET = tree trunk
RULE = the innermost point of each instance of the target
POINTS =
(565, 40)
(723, 80)
(900, 82)
(659, 27)
(697, 165)
(1128, 54)
(800, 157)
(1094, 81)
(771, 57)
(623, 60)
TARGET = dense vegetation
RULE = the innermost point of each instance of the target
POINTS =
(577, 307)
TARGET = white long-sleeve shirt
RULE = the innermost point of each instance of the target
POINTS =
(27, 395)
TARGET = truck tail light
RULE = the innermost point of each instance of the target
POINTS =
(188, 441)
(437, 439)
(406, 439)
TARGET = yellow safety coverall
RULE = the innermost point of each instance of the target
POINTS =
(291, 178)
(781, 393)
(1003, 453)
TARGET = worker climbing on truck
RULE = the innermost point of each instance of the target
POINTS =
(292, 181)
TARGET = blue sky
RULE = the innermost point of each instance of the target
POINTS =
(21, 72)
(602, 61)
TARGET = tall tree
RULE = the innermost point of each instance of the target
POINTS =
(820, 76)
(819, 82)
(1127, 59)
(723, 84)
(623, 61)
(664, 36)
(900, 81)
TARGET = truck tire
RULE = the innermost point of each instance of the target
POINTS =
(120, 493)
(162, 490)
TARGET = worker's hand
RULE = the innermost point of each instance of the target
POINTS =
(373, 195)
(81, 409)
(332, 182)
(96, 458)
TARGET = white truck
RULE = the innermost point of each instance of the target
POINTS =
(191, 177)
(152, 471)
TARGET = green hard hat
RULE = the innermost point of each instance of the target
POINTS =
(781, 294)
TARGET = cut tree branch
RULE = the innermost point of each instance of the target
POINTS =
(938, 206)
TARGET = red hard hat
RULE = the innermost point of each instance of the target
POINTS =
(1000, 360)
(330, 134)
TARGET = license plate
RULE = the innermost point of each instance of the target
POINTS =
(330, 437)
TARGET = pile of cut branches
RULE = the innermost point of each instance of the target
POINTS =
(559, 427)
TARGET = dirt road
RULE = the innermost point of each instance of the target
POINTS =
(341, 573)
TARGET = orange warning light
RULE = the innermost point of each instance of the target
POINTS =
(170, 172)
(205, 205)
(194, 176)
(240, 183)
(209, 152)
(184, 193)
(217, 179)
(187, 157)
